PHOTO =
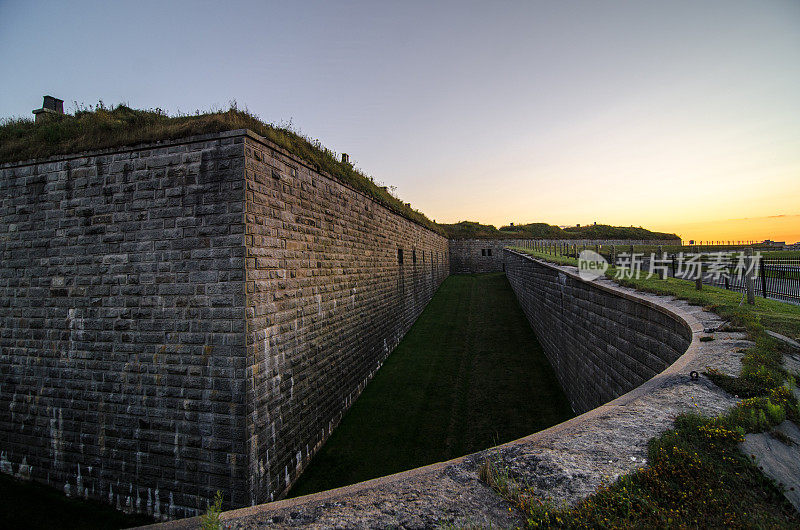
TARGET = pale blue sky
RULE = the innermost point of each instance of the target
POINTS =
(660, 114)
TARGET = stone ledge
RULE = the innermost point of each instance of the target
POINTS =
(132, 148)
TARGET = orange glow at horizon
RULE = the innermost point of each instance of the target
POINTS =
(777, 228)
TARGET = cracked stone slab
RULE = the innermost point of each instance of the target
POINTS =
(779, 459)
(784, 339)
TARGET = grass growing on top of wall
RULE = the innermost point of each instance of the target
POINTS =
(696, 474)
(31, 505)
(468, 375)
(103, 128)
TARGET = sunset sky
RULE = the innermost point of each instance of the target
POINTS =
(676, 116)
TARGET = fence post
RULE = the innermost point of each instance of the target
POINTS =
(613, 256)
(698, 282)
(763, 276)
(748, 280)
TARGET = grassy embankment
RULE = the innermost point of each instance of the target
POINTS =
(103, 128)
(468, 375)
(696, 476)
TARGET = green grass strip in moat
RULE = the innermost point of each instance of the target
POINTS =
(468, 375)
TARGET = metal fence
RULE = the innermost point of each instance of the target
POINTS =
(776, 278)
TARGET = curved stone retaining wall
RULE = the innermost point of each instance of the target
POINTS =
(601, 344)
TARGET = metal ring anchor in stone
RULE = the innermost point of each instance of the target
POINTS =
(694, 375)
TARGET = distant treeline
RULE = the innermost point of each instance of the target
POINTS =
(473, 230)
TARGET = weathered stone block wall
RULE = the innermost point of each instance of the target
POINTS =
(191, 317)
(601, 344)
(122, 324)
(327, 301)
(486, 255)
(469, 256)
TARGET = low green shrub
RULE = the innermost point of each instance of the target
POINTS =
(211, 520)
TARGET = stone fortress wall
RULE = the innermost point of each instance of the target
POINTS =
(334, 281)
(469, 256)
(192, 315)
(122, 324)
(197, 315)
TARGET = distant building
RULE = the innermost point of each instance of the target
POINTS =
(773, 244)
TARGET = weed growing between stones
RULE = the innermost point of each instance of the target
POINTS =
(211, 519)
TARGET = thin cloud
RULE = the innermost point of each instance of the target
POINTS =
(761, 217)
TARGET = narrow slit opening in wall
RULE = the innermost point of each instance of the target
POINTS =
(488, 252)
(413, 255)
(399, 256)
(483, 252)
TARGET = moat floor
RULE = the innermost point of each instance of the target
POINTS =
(469, 374)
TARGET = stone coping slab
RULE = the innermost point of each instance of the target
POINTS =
(779, 459)
(565, 463)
